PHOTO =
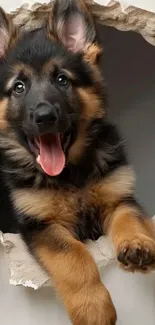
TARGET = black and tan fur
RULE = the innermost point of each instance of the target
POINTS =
(94, 194)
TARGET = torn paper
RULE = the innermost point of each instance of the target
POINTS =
(122, 15)
(25, 271)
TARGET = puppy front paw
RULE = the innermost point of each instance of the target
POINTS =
(137, 253)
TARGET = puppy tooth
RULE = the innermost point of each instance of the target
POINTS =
(38, 159)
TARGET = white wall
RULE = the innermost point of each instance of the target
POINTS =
(145, 4)
(10, 5)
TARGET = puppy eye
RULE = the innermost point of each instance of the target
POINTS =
(62, 80)
(19, 87)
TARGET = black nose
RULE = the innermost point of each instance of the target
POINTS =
(46, 116)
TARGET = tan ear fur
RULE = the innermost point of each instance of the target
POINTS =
(92, 53)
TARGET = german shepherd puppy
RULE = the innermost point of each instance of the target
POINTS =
(63, 162)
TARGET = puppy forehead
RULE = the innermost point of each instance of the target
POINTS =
(35, 48)
(35, 54)
(22, 70)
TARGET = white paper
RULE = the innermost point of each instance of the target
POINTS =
(25, 271)
(143, 4)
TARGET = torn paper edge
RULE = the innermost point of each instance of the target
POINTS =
(25, 271)
(114, 14)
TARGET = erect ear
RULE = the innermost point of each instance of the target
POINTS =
(72, 24)
(7, 32)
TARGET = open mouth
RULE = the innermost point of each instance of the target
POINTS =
(49, 153)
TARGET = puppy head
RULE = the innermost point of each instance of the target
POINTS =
(50, 87)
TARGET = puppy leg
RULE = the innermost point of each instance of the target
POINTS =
(76, 277)
(133, 238)
(122, 218)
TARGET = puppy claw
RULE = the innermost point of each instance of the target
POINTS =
(137, 253)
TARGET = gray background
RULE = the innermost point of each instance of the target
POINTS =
(129, 70)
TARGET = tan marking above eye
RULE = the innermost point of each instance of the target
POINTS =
(17, 69)
(49, 66)
(69, 74)
(3, 109)
(10, 83)
(26, 69)
(57, 63)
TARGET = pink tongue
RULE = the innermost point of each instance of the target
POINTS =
(52, 158)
